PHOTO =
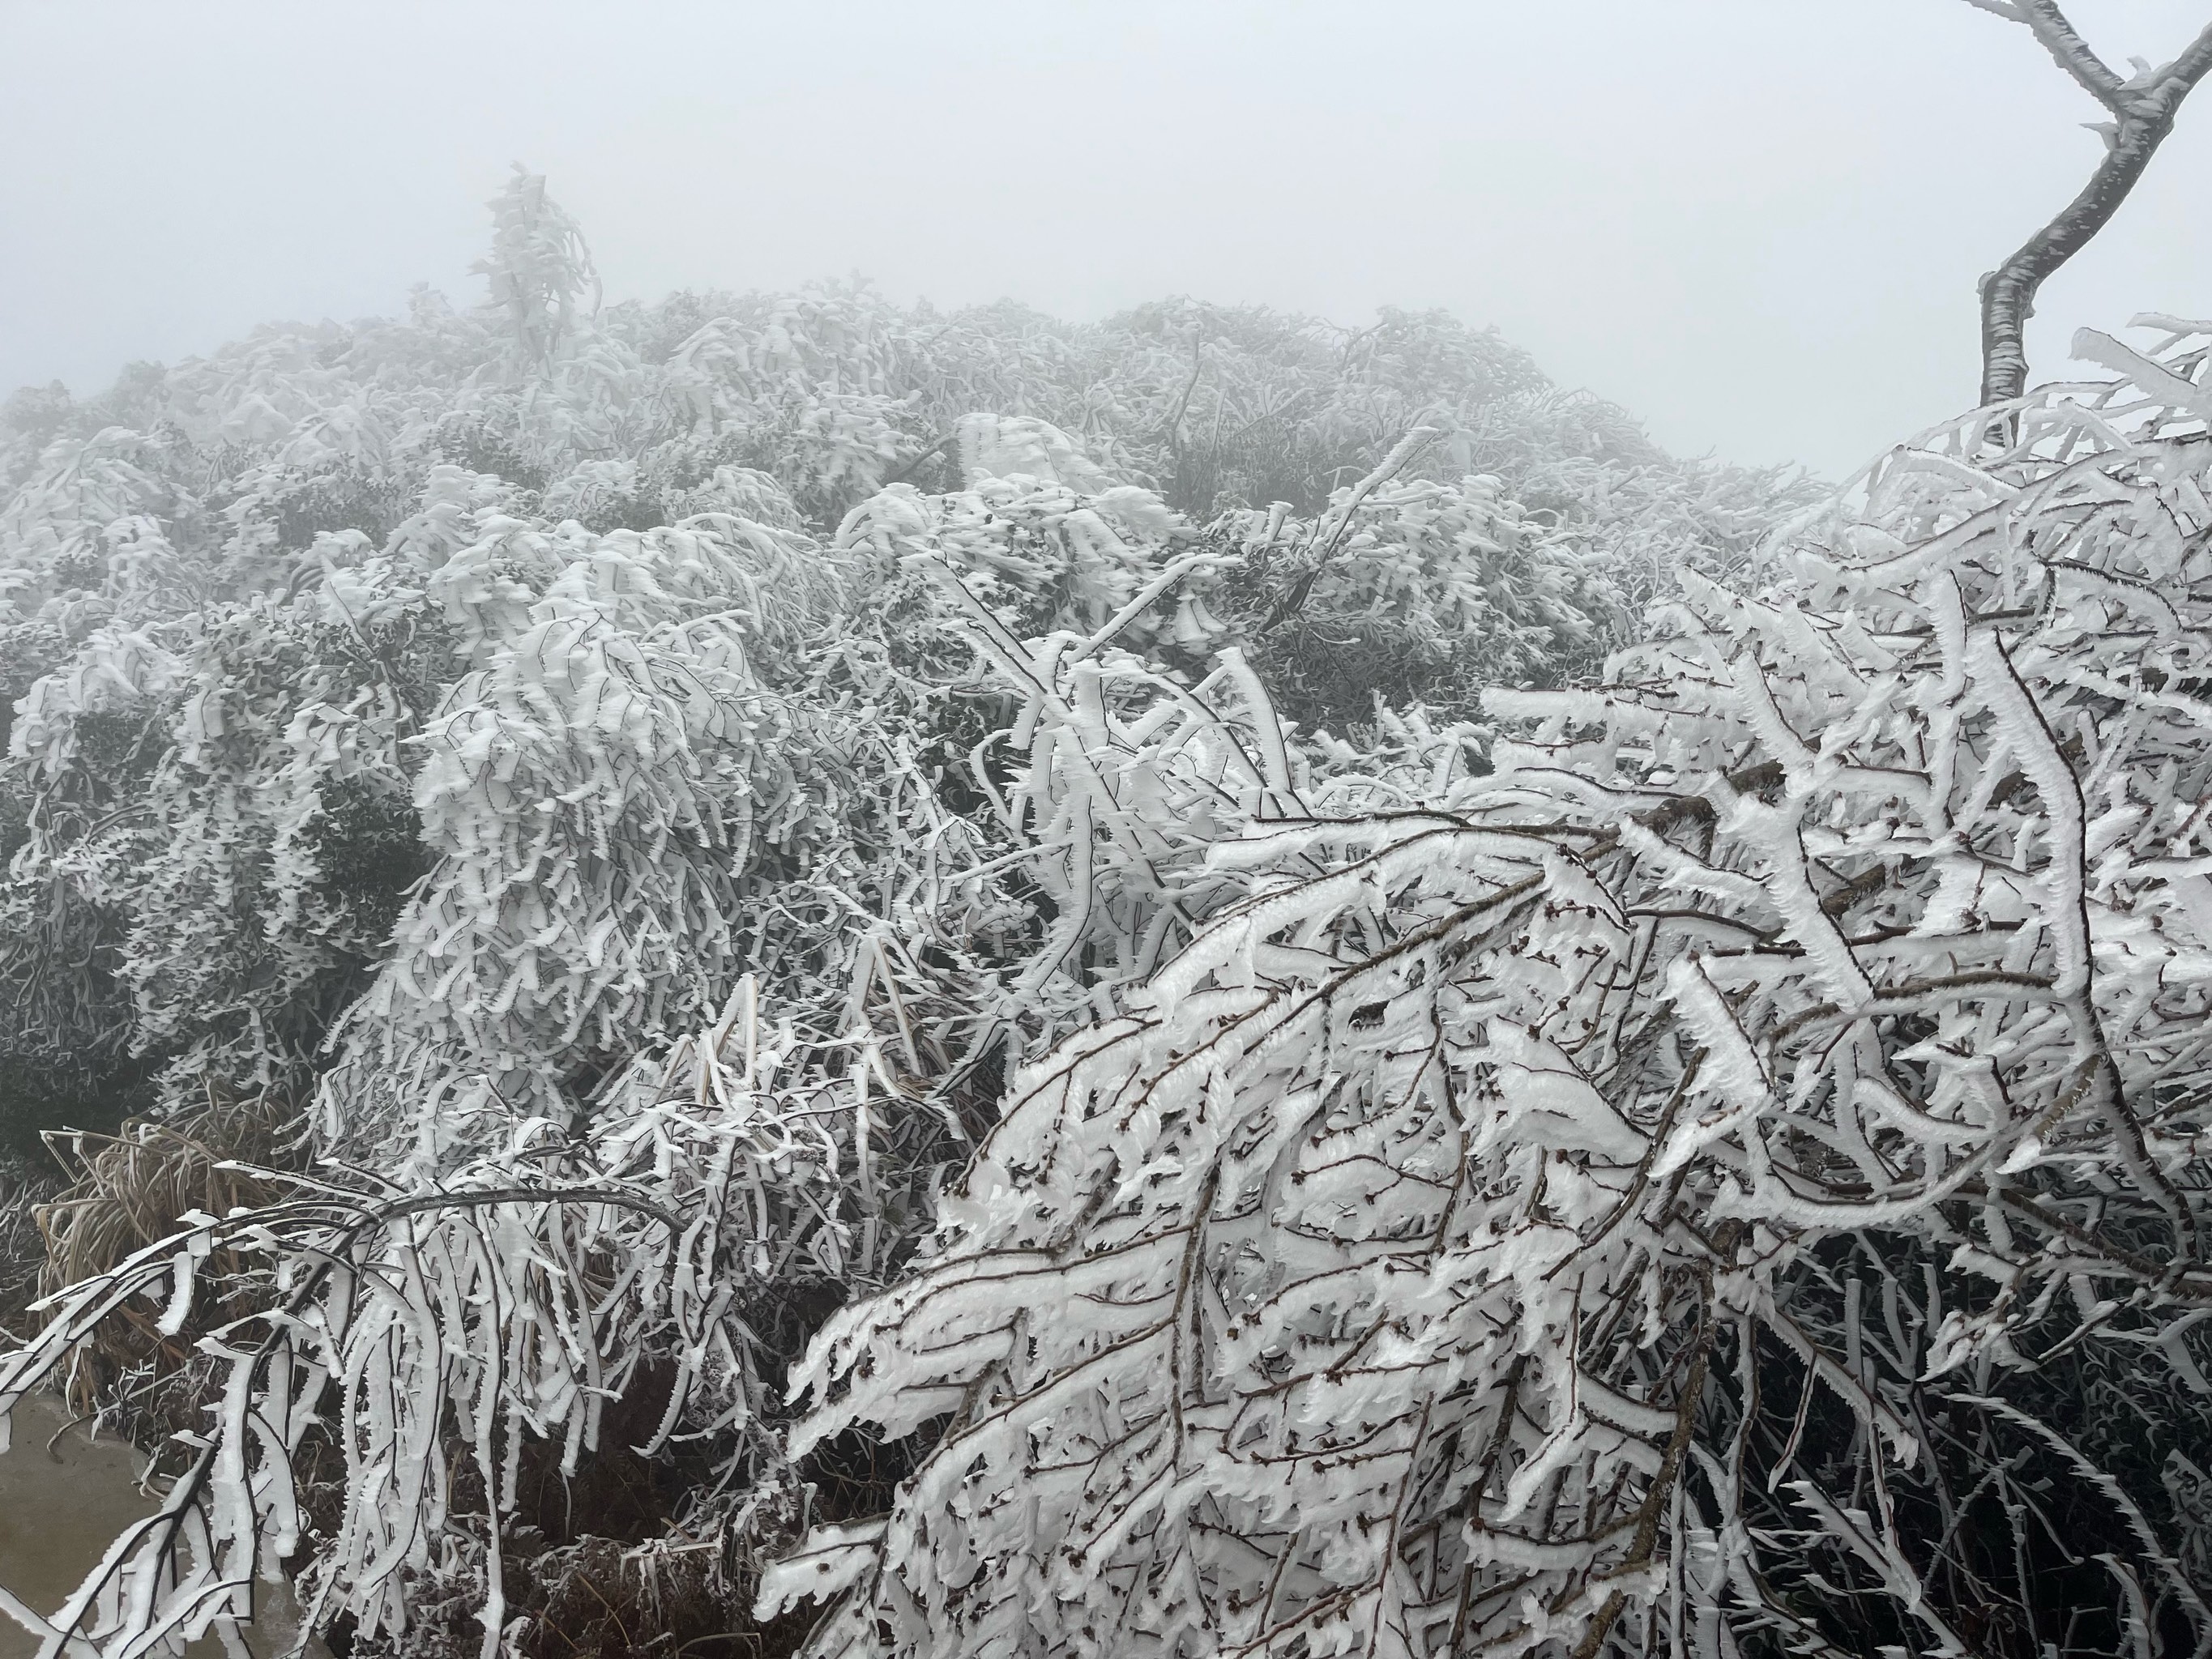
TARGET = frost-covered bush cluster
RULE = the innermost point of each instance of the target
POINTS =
(461, 702)
(1192, 986)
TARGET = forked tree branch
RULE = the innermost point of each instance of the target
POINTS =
(2143, 109)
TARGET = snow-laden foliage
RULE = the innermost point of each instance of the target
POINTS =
(538, 268)
(421, 1331)
(1686, 1190)
(1415, 592)
(261, 539)
(596, 789)
(632, 784)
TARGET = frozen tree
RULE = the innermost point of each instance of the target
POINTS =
(595, 788)
(538, 268)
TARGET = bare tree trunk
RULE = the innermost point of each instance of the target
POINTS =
(2143, 109)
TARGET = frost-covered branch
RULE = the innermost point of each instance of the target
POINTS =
(2143, 108)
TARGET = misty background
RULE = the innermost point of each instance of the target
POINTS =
(1755, 223)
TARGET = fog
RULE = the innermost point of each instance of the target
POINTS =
(1756, 223)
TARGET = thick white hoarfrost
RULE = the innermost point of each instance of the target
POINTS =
(1407, 1268)
(1416, 590)
(732, 807)
(597, 789)
(426, 1332)
(283, 505)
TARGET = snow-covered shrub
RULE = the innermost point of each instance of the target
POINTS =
(437, 721)
(84, 747)
(1450, 1248)
(413, 1327)
(228, 512)
(221, 832)
(596, 791)
(1414, 592)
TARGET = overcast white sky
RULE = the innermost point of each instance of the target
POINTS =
(1757, 223)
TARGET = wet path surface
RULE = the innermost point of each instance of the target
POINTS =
(60, 1511)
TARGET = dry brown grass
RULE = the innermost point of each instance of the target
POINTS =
(22, 1247)
(130, 1190)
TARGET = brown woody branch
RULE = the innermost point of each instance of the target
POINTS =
(2142, 109)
